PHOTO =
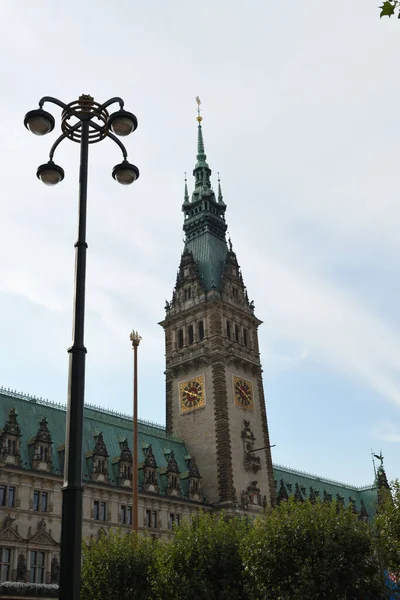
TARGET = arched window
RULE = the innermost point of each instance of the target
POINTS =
(191, 334)
(228, 330)
(237, 333)
(245, 337)
(180, 338)
(201, 330)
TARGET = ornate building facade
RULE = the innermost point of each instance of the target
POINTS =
(214, 452)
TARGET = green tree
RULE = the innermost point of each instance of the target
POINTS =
(304, 550)
(202, 561)
(388, 526)
(389, 8)
(118, 566)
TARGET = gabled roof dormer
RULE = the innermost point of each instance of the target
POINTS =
(10, 440)
(41, 447)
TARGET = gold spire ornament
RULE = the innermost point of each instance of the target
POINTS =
(199, 117)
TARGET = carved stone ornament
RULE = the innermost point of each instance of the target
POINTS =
(8, 521)
(99, 457)
(126, 454)
(252, 496)
(194, 480)
(55, 571)
(251, 460)
(150, 460)
(21, 568)
(282, 493)
(193, 468)
(100, 449)
(124, 463)
(41, 443)
(43, 434)
(173, 481)
(172, 466)
(150, 470)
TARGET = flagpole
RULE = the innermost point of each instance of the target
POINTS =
(135, 339)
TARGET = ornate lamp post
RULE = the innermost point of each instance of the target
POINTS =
(86, 122)
(135, 339)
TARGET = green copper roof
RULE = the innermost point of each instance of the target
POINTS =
(296, 482)
(115, 428)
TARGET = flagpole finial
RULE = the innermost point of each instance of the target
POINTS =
(199, 117)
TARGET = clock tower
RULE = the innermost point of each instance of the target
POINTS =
(214, 389)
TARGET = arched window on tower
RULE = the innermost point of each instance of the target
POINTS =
(201, 330)
(180, 338)
(228, 330)
(245, 337)
(191, 334)
(237, 333)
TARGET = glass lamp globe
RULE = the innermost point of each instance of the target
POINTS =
(39, 122)
(122, 123)
(50, 173)
(125, 173)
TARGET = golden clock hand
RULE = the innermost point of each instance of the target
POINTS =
(244, 393)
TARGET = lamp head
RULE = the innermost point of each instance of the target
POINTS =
(122, 122)
(39, 121)
(50, 173)
(125, 173)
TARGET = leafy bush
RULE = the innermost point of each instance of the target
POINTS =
(296, 551)
(118, 566)
(388, 526)
(202, 561)
(305, 550)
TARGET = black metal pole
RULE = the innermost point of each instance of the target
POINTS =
(72, 492)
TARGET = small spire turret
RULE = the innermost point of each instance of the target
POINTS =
(186, 196)
(220, 196)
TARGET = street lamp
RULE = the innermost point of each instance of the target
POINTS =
(86, 122)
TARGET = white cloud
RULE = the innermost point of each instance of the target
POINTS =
(387, 432)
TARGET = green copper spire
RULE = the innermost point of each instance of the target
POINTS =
(202, 171)
(204, 224)
(201, 155)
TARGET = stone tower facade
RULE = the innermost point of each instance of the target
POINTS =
(214, 389)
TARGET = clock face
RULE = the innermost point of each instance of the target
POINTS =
(243, 393)
(191, 394)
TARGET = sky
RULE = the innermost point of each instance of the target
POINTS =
(300, 118)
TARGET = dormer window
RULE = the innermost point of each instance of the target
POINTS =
(41, 447)
(194, 480)
(150, 470)
(99, 457)
(235, 293)
(173, 479)
(124, 464)
(10, 440)
(187, 293)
